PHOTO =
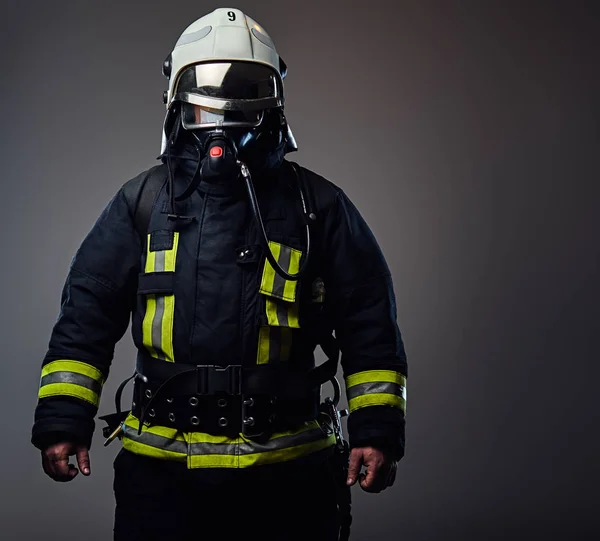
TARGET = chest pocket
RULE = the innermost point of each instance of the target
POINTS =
(156, 284)
(279, 307)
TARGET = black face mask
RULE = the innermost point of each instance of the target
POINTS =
(259, 148)
(221, 151)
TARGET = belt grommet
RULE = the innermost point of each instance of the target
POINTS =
(249, 421)
(151, 413)
(172, 417)
(221, 402)
(148, 393)
(223, 421)
(193, 401)
(194, 420)
(249, 402)
(169, 400)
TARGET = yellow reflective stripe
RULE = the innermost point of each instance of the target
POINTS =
(78, 367)
(69, 389)
(150, 304)
(377, 399)
(151, 451)
(164, 431)
(171, 255)
(213, 461)
(147, 324)
(150, 257)
(154, 441)
(272, 318)
(289, 289)
(274, 285)
(167, 327)
(257, 459)
(208, 451)
(283, 455)
(274, 344)
(262, 354)
(371, 376)
(242, 452)
(157, 326)
(282, 314)
(268, 278)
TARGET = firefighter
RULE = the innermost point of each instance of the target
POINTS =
(232, 264)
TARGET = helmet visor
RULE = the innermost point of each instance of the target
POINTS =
(229, 86)
(197, 116)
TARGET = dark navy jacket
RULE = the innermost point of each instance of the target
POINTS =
(217, 302)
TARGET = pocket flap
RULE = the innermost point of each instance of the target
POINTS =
(274, 285)
(156, 283)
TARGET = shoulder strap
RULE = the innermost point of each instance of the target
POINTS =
(141, 195)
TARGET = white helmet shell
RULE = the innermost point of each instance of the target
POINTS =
(226, 34)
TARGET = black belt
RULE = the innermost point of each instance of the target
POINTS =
(227, 400)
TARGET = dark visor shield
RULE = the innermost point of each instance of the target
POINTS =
(233, 86)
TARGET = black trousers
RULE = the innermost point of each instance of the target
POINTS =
(159, 500)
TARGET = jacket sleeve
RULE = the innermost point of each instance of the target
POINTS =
(96, 305)
(360, 298)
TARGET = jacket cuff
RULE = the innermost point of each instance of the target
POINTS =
(62, 419)
(50, 431)
(381, 427)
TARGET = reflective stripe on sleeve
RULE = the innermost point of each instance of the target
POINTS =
(376, 388)
(71, 378)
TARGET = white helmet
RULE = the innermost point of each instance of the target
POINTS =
(225, 72)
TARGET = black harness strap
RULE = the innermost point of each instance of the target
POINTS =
(141, 194)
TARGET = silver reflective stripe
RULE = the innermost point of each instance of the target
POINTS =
(250, 448)
(280, 342)
(159, 266)
(285, 256)
(193, 36)
(283, 442)
(375, 387)
(154, 440)
(282, 313)
(74, 378)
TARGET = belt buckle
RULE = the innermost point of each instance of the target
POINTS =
(213, 379)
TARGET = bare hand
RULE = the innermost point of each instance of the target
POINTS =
(55, 461)
(381, 470)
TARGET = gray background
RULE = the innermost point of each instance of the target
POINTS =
(466, 133)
